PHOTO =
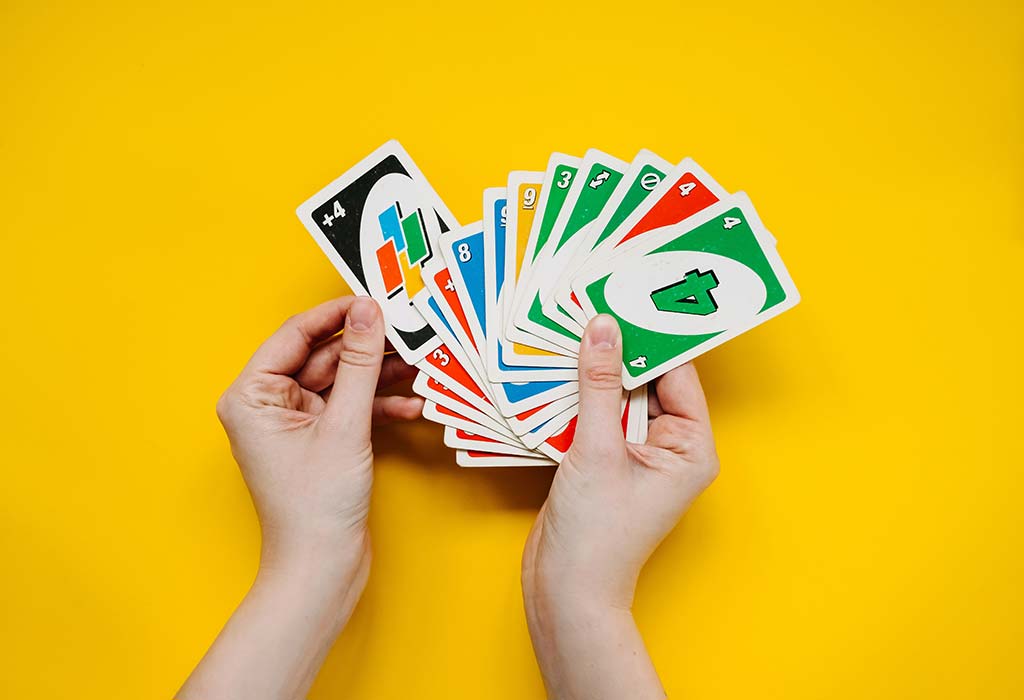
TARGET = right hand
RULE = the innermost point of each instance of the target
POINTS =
(610, 505)
(612, 502)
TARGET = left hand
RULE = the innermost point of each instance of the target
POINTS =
(299, 418)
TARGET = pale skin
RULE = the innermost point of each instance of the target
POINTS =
(299, 420)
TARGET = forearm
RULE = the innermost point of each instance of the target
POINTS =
(275, 642)
(588, 650)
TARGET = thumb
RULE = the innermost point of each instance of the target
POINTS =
(599, 428)
(350, 407)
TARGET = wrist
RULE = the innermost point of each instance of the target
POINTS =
(562, 601)
(329, 561)
(564, 610)
(574, 590)
(587, 645)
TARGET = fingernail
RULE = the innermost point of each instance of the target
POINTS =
(603, 332)
(362, 314)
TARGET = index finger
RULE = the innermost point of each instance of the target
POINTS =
(287, 349)
(680, 394)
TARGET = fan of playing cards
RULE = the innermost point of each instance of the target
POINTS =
(492, 313)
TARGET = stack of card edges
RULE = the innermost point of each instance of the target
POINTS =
(492, 313)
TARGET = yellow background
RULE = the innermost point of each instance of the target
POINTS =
(864, 538)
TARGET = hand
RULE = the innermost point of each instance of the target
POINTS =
(610, 505)
(299, 417)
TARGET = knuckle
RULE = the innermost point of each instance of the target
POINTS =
(358, 355)
(712, 467)
(705, 470)
(252, 391)
(225, 406)
(694, 444)
(296, 324)
(266, 384)
(603, 376)
(678, 433)
(681, 433)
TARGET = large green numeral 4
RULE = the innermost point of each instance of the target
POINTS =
(690, 295)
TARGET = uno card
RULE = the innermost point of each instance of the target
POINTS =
(598, 176)
(523, 198)
(449, 417)
(645, 173)
(634, 426)
(495, 249)
(468, 329)
(451, 361)
(462, 249)
(641, 415)
(684, 191)
(689, 287)
(443, 365)
(537, 436)
(441, 306)
(473, 458)
(432, 390)
(378, 224)
(453, 407)
(532, 419)
(558, 179)
(460, 439)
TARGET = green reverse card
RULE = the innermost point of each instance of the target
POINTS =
(641, 187)
(638, 190)
(601, 181)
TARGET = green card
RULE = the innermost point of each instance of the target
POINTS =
(598, 176)
(689, 287)
(645, 173)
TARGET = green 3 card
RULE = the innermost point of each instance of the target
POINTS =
(644, 175)
(598, 176)
(689, 287)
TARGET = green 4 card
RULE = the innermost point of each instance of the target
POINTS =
(684, 289)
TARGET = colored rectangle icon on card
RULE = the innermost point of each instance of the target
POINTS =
(405, 246)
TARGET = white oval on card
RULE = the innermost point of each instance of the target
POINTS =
(736, 292)
(386, 259)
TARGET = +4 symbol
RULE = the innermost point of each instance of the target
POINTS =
(339, 212)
